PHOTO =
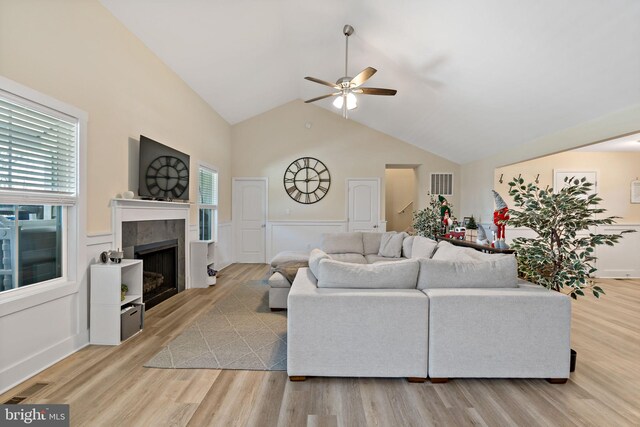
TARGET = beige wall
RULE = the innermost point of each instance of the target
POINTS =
(615, 171)
(265, 145)
(400, 191)
(477, 177)
(77, 52)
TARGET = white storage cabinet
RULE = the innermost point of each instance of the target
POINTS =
(106, 305)
(202, 258)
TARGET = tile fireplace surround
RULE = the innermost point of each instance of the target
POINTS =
(136, 233)
(136, 222)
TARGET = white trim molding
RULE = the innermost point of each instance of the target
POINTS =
(224, 245)
(125, 210)
(49, 321)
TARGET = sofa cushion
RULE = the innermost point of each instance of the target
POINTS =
(371, 242)
(277, 280)
(352, 258)
(407, 245)
(342, 243)
(481, 256)
(445, 251)
(501, 272)
(314, 260)
(289, 256)
(423, 247)
(382, 275)
(391, 244)
(377, 258)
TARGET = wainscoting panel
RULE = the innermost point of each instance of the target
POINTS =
(51, 330)
(298, 235)
(621, 261)
(224, 248)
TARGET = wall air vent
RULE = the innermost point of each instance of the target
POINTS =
(442, 183)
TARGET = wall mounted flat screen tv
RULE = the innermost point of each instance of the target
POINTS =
(164, 172)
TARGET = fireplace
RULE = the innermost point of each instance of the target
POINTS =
(160, 244)
(160, 271)
(143, 222)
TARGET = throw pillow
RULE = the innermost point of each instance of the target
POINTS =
(371, 242)
(448, 252)
(423, 247)
(391, 244)
(315, 257)
(407, 245)
(382, 275)
(342, 243)
(498, 273)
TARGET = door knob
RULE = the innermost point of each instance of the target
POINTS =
(263, 225)
(375, 226)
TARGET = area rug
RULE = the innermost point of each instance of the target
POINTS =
(238, 332)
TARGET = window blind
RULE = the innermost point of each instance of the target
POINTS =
(208, 187)
(37, 152)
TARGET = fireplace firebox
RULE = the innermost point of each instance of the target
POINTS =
(160, 271)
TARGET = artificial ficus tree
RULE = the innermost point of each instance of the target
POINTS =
(427, 222)
(561, 256)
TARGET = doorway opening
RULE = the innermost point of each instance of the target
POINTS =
(401, 196)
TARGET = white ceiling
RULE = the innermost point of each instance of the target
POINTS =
(629, 143)
(473, 77)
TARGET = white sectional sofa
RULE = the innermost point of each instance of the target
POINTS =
(356, 332)
(459, 314)
(356, 247)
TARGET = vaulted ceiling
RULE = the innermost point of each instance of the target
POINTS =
(473, 76)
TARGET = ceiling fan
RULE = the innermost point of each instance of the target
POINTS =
(348, 87)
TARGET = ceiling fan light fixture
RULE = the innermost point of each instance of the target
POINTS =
(338, 102)
(347, 87)
(352, 101)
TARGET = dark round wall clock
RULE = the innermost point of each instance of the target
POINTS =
(307, 180)
(167, 177)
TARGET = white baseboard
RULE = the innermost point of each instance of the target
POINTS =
(15, 374)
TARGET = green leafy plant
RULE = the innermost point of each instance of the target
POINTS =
(427, 222)
(561, 257)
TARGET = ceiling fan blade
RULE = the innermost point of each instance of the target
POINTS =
(322, 97)
(363, 76)
(322, 82)
(375, 91)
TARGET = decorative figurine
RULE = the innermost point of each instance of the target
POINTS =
(482, 236)
(500, 215)
(445, 214)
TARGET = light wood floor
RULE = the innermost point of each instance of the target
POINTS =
(107, 386)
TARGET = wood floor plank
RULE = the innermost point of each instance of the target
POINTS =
(108, 386)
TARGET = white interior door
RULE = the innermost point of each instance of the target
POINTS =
(363, 197)
(249, 219)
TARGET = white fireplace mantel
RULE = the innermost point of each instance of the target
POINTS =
(126, 210)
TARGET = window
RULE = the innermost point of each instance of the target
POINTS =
(442, 183)
(38, 188)
(207, 202)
